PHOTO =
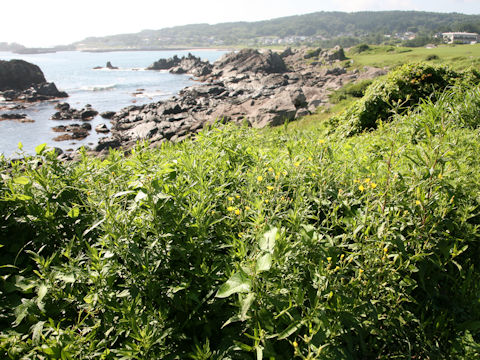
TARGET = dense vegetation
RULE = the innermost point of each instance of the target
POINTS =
(243, 244)
(323, 28)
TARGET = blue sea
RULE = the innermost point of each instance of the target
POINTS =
(105, 90)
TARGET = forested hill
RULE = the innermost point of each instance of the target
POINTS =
(310, 28)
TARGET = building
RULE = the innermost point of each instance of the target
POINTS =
(460, 37)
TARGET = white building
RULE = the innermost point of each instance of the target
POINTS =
(460, 37)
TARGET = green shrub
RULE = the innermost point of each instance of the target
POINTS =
(246, 244)
(398, 92)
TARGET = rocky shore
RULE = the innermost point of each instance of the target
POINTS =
(258, 88)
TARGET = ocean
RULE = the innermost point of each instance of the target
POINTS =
(104, 90)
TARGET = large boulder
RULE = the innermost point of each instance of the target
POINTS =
(19, 75)
(21, 80)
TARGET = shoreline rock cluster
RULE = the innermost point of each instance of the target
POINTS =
(260, 88)
(23, 81)
(184, 65)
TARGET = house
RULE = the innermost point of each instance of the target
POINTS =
(460, 37)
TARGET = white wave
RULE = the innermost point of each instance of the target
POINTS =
(99, 87)
(151, 94)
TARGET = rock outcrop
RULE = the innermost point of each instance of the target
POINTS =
(67, 113)
(185, 65)
(260, 88)
(21, 80)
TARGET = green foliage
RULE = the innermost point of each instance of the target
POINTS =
(246, 244)
(397, 93)
(355, 90)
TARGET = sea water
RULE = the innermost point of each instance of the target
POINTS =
(104, 90)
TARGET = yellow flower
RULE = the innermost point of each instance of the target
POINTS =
(260, 178)
(385, 249)
(295, 344)
(213, 212)
(284, 173)
(237, 212)
(329, 258)
(440, 176)
(373, 185)
(270, 188)
(355, 181)
(310, 158)
(342, 256)
(418, 203)
(237, 196)
(367, 180)
(270, 169)
(361, 188)
(337, 268)
(296, 164)
(230, 198)
(360, 271)
(247, 208)
(277, 177)
(230, 208)
(321, 141)
(240, 234)
(266, 201)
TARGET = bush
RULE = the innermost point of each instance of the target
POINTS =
(398, 92)
(245, 244)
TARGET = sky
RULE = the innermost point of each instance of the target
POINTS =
(38, 23)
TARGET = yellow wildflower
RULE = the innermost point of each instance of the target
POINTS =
(295, 344)
(440, 176)
(247, 208)
(284, 173)
(321, 141)
(230, 208)
(329, 258)
(342, 256)
(270, 187)
(385, 249)
(310, 158)
(270, 169)
(361, 188)
(237, 196)
(230, 198)
(337, 268)
(260, 178)
(418, 203)
(367, 180)
(237, 212)
(296, 164)
(373, 185)
(360, 271)
(266, 201)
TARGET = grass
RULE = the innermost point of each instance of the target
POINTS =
(459, 57)
(247, 244)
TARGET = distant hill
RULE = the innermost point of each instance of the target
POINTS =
(320, 28)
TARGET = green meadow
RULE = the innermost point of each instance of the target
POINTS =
(352, 236)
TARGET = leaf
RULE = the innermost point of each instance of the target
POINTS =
(20, 145)
(74, 212)
(93, 226)
(39, 149)
(21, 311)
(41, 292)
(267, 242)
(290, 330)
(66, 278)
(21, 180)
(140, 196)
(238, 283)
(121, 193)
(264, 262)
(245, 305)
(37, 331)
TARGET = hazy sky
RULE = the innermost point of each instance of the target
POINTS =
(55, 22)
